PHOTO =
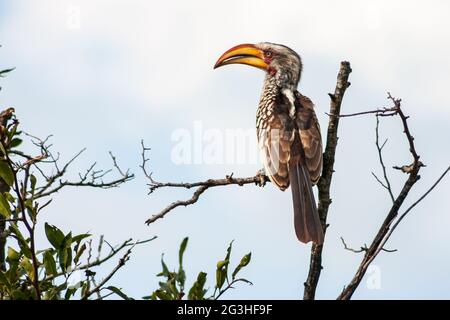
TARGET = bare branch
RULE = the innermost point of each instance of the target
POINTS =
(384, 230)
(91, 178)
(324, 184)
(144, 161)
(387, 184)
(119, 265)
(123, 174)
(410, 208)
(98, 261)
(379, 112)
(363, 249)
(230, 286)
(379, 181)
(201, 187)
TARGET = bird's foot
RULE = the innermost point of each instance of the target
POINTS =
(262, 178)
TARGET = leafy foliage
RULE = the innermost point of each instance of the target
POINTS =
(173, 286)
(64, 269)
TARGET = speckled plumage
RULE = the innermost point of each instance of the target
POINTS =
(288, 131)
(289, 139)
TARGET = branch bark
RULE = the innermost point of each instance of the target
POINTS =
(324, 184)
(119, 265)
(385, 230)
(201, 186)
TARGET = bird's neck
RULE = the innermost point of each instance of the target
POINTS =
(271, 89)
(275, 88)
(274, 85)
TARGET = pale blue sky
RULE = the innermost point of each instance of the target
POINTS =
(104, 74)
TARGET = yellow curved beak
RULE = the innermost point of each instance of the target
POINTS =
(247, 54)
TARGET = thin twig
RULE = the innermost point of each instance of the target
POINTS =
(379, 112)
(395, 225)
(119, 265)
(99, 261)
(387, 184)
(230, 286)
(201, 186)
(384, 230)
(363, 249)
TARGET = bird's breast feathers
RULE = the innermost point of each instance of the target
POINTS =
(278, 121)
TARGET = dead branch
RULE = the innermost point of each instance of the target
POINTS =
(395, 225)
(384, 112)
(202, 186)
(385, 229)
(324, 184)
(363, 248)
(119, 265)
(387, 183)
(90, 178)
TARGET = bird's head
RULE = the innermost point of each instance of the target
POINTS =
(279, 61)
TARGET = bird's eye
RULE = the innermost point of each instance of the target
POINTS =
(268, 54)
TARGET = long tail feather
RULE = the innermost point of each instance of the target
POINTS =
(306, 217)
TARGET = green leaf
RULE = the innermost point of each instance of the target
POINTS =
(33, 183)
(5, 210)
(4, 280)
(80, 237)
(244, 262)
(119, 293)
(54, 235)
(12, 131)
(197, 291)
(13, 274)
(6, 173)
(70, 292)
(222, 263)
(28, 267)
(4, 72)
(182, 249)
(90, 273)
(15, 143)
(222, 268)
(85, 288)
(221, 272)
(220, 278)
(13, 255)
(9, 197)
(162, 295)
(49, 263)
(67, 241)
(227, 257)
(165, 272)
(62, 254)
(23, 244)
(169, 287)
(181, 276)
(65, 252)
(79, 253)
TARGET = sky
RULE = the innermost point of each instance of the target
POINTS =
(105, 74)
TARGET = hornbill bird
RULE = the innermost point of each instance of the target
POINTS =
(287, 129)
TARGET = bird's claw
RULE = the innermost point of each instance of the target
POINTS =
(261, 178)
